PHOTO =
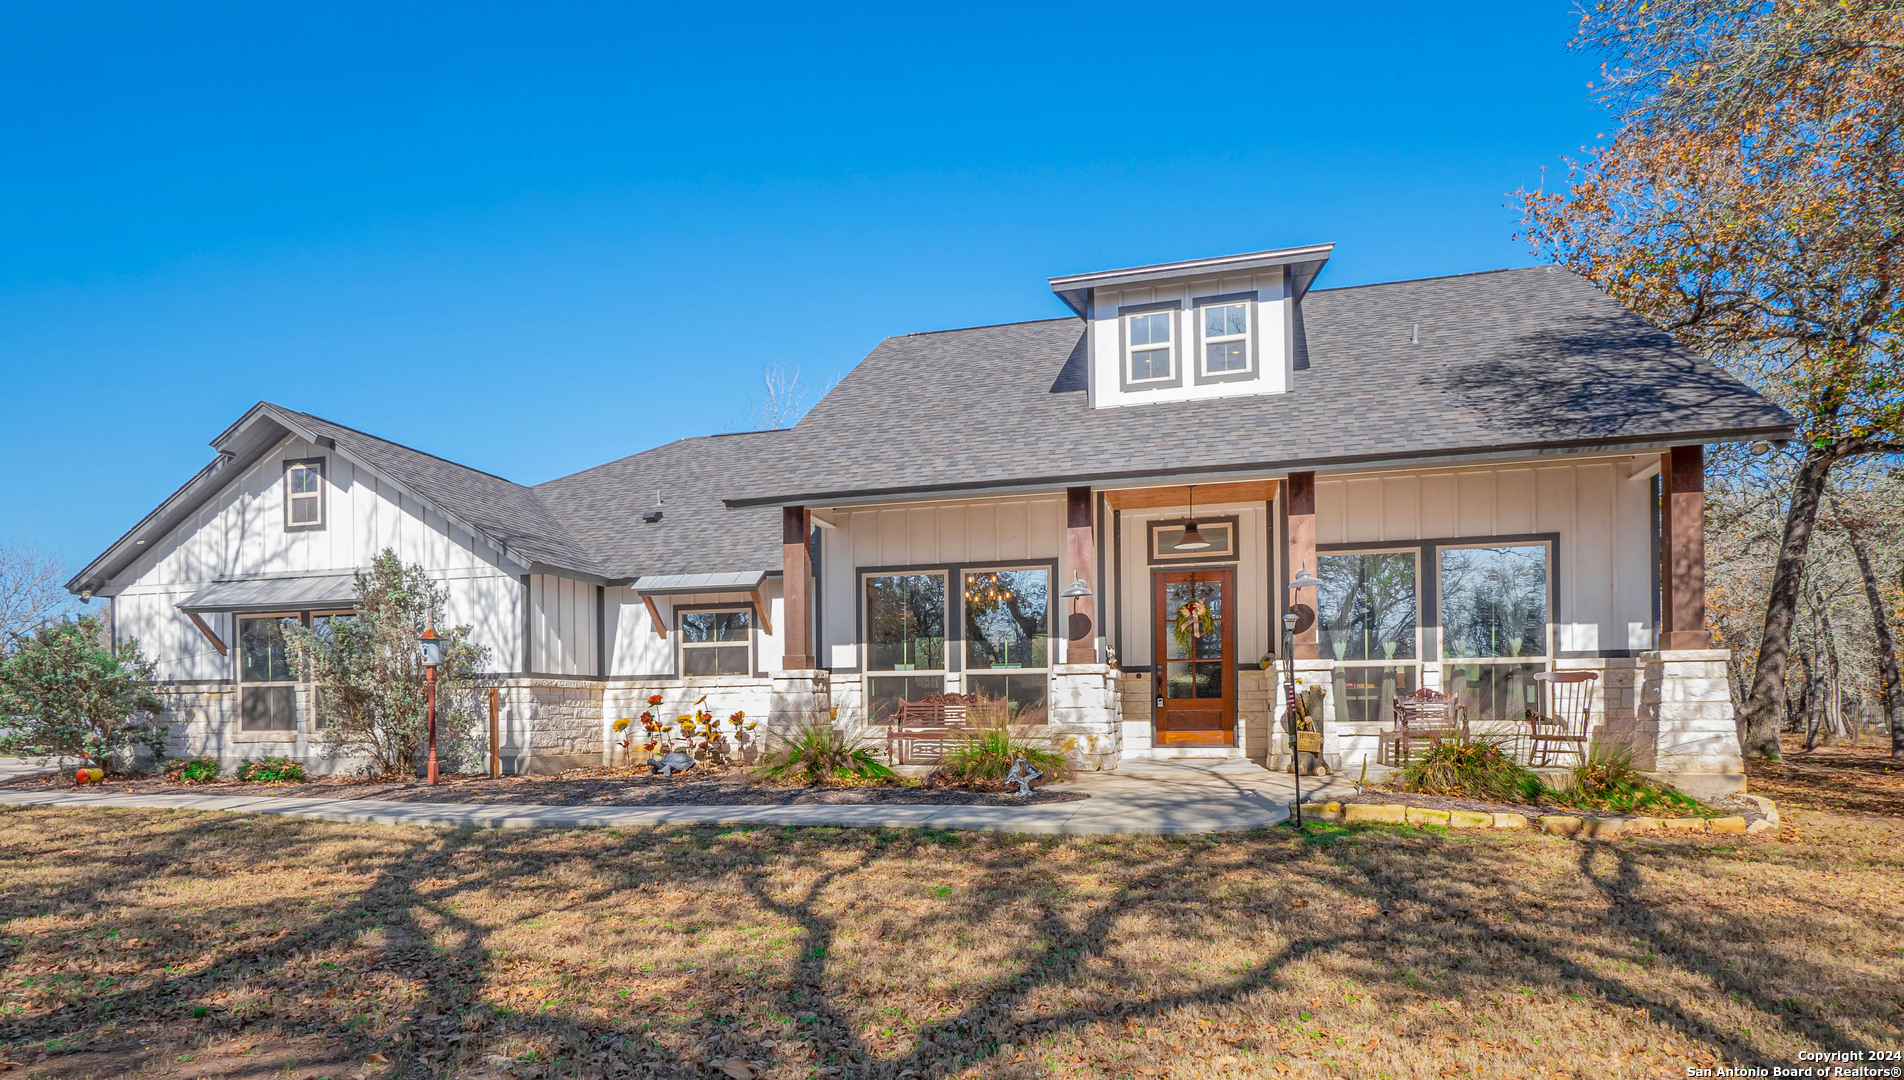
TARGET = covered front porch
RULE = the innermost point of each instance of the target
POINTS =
(1098, 617)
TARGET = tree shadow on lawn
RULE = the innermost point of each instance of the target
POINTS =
(793, 948)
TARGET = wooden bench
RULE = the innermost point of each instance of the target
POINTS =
(934, 719)
(1423, 715)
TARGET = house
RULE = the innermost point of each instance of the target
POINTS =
(1492, 475)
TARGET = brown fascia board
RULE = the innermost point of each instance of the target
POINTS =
(1338, 463)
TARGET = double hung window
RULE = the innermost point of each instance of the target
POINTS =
(304, 494)
(1008, 641)
(267, 687)
(1148, 338)
(717, 642)
(1225, 338)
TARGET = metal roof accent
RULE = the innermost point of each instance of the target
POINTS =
(274, 594)
(659, 584)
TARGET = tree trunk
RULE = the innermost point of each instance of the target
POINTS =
(1893, 692)
(1759, 720)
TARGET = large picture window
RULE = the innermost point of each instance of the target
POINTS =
(717, 642)
(1494, 620)
(267, 690)
(1367, 619)
(1008, 641)
(905, 635)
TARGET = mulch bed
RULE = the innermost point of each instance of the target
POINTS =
(580, 787)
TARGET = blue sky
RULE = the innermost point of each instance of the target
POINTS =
(535, 238)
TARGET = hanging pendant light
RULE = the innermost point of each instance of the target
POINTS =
(1192, 539)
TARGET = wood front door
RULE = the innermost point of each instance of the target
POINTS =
(1194, 680)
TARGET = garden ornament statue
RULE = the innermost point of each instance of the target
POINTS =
(670, 763)
(1023, 773)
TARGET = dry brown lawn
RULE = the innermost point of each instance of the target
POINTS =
(198, 945)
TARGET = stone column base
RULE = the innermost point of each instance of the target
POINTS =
(800, 696)
(1685, 700)
(1083, 717)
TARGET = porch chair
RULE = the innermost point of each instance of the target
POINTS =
(933, 719)
(1419, 716)
(1561, 727)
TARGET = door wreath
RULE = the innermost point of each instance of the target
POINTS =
(1193, 620)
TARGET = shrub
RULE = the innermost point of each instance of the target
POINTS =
(817, 751)
(1609, 781)
(369, 674)
(69, 692)
(198, 770)
(1477, 768)
(987, 754)
(270, 770)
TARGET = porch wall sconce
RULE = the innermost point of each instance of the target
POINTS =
(1077, 587)
(1192, 538)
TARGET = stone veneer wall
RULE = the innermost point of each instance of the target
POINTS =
(1083, 720)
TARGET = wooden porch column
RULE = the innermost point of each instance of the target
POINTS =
(1302, 550)
(796, 583)
(1080, 551)
(1682, 549)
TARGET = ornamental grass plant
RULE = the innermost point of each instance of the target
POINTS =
(1471, 767)
(986, 756)
(817, 752)
(1609, 781)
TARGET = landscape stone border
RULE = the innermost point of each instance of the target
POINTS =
(1585, 828)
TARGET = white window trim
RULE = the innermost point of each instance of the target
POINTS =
(1131, 350)
(1206, 339)
(291, 499)
(682, 644)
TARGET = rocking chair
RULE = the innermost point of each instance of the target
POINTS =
(1561, 728)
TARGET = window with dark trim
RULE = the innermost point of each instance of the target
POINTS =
(1148, 338)
(905, 635)
(1008, 641)
(717, 642)
(267, 687)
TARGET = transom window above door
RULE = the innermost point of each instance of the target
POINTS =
(1148, 336)
(1225, 338)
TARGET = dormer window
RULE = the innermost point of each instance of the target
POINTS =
(304, 494)
(1150, 355)
(1226, 338)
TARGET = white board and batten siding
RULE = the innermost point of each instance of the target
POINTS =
(1600, 510)
(635, 650)
(240, 533)
(562, 626)
(1272, 323)
(1253, 567)
(974, 535)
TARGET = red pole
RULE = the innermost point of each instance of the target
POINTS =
(429, 672)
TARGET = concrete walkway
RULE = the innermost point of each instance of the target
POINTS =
(1155, 797)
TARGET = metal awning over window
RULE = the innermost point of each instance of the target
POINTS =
(660, 584)
(746, 582)
(274, 594)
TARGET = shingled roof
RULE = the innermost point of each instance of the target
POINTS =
(1488, 363)
(697, 533)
